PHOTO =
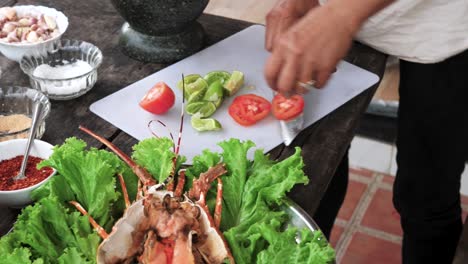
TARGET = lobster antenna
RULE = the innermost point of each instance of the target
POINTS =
(164, 125)
(181, 116)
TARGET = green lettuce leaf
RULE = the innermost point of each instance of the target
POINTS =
(19, 255)
(156, 155)
(72, 256)
(283, 248)
(46, 229)
(90, 176)
(235, 157)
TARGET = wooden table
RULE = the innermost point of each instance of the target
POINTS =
(95, 21)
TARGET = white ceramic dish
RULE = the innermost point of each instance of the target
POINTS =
(15, 147)
(15, 51)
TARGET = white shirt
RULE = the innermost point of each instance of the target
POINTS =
(424, 31)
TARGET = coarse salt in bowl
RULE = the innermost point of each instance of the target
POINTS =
(67, 72)
(16, 50)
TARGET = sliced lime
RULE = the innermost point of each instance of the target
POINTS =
(214, 92)
(235, 82)
(202, 109)
(188, 80)
(207, 109)
(207, 124)
(193, 108)
(199, 85)
(195, 96)
(218, 103)
(213, 76)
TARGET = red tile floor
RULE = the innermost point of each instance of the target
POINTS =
(367, 229)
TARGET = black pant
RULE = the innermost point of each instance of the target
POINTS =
(432, 148)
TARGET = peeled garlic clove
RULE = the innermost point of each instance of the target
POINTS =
(32, 37)
(11, 37)
(19, 32)
(24, 22)
(9, 12)
(50, 22)
(9, 27)
(24, 34)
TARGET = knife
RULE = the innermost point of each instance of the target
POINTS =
(291, 128)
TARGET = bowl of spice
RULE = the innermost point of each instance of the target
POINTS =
(17, 193)
(66, 72)
(29, 29)
(16, 109)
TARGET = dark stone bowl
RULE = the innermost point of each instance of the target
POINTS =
(160, 17)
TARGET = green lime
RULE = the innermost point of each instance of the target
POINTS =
(199, 85)
(213, 76)
(207, 124)
(193, 108)
(214, 92)
(207, 109)
(196, 96)
(201, 109)
(188, 80)
(235, 82)
(218, 103)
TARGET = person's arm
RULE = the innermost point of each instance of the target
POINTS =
(311, 48)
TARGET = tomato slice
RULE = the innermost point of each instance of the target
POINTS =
(287, 108)
(159, 99)
(248, 109)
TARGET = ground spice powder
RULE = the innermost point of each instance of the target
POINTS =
(11, 167)
(14, 123)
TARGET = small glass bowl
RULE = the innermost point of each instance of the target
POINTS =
(65, 52)
(21, 101)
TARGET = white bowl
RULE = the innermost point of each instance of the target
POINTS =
(16, 51)
(15, 147)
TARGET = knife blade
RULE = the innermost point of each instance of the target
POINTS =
(291, 128)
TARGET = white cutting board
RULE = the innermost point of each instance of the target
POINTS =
(245, 52)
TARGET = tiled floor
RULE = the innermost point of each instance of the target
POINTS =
(381, 157)
(367, 229)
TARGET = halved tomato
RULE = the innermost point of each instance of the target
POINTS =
(248, 109)
(158, 99)
(287, 108)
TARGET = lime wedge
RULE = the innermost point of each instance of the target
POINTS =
(188, 80)
(213, 76)
(214, 92)
(208, 124)
(199, 85)
(207, 109)
(201, 109)
(195, 96)
(193, 108)
(218, 103)
(235, 82)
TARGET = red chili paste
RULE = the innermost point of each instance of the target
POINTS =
(11, 167)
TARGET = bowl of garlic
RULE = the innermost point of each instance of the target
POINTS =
(30, 30)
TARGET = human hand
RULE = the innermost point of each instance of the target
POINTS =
(309, 50)
(283, 15)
